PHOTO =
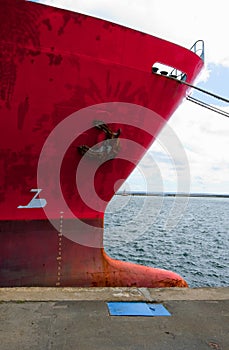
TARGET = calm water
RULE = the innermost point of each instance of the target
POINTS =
(187, 236)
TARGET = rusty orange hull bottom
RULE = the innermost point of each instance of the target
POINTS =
(32, 253)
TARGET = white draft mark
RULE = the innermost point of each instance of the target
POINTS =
(35, 202)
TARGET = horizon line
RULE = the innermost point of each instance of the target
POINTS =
(173, 194)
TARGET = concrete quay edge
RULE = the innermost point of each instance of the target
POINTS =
(112, 294)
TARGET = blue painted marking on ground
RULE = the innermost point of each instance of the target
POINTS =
(136, 309)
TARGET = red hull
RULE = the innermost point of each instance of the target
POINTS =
(59, 72)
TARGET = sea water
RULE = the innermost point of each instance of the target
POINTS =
(187, 235)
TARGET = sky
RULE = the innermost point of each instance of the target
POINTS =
(201, 164)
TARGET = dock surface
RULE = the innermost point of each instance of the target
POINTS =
(79, 319)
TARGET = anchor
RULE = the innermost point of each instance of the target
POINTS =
(109, 147)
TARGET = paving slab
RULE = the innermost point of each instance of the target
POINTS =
(85, 323)
(108, 293)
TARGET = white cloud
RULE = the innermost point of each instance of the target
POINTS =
(205, 137)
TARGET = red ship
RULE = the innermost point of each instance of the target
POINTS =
(81, 101)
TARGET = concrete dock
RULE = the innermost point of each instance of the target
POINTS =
(79, 319)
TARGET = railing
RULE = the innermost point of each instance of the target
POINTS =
(198, 48)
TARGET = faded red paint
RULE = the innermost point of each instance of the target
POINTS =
(54, 63)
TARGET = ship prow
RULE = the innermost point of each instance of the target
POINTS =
(80, 103)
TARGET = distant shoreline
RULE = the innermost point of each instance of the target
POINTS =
(208, 195)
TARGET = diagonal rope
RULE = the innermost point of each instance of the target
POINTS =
(208, 106)
(199, 89)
